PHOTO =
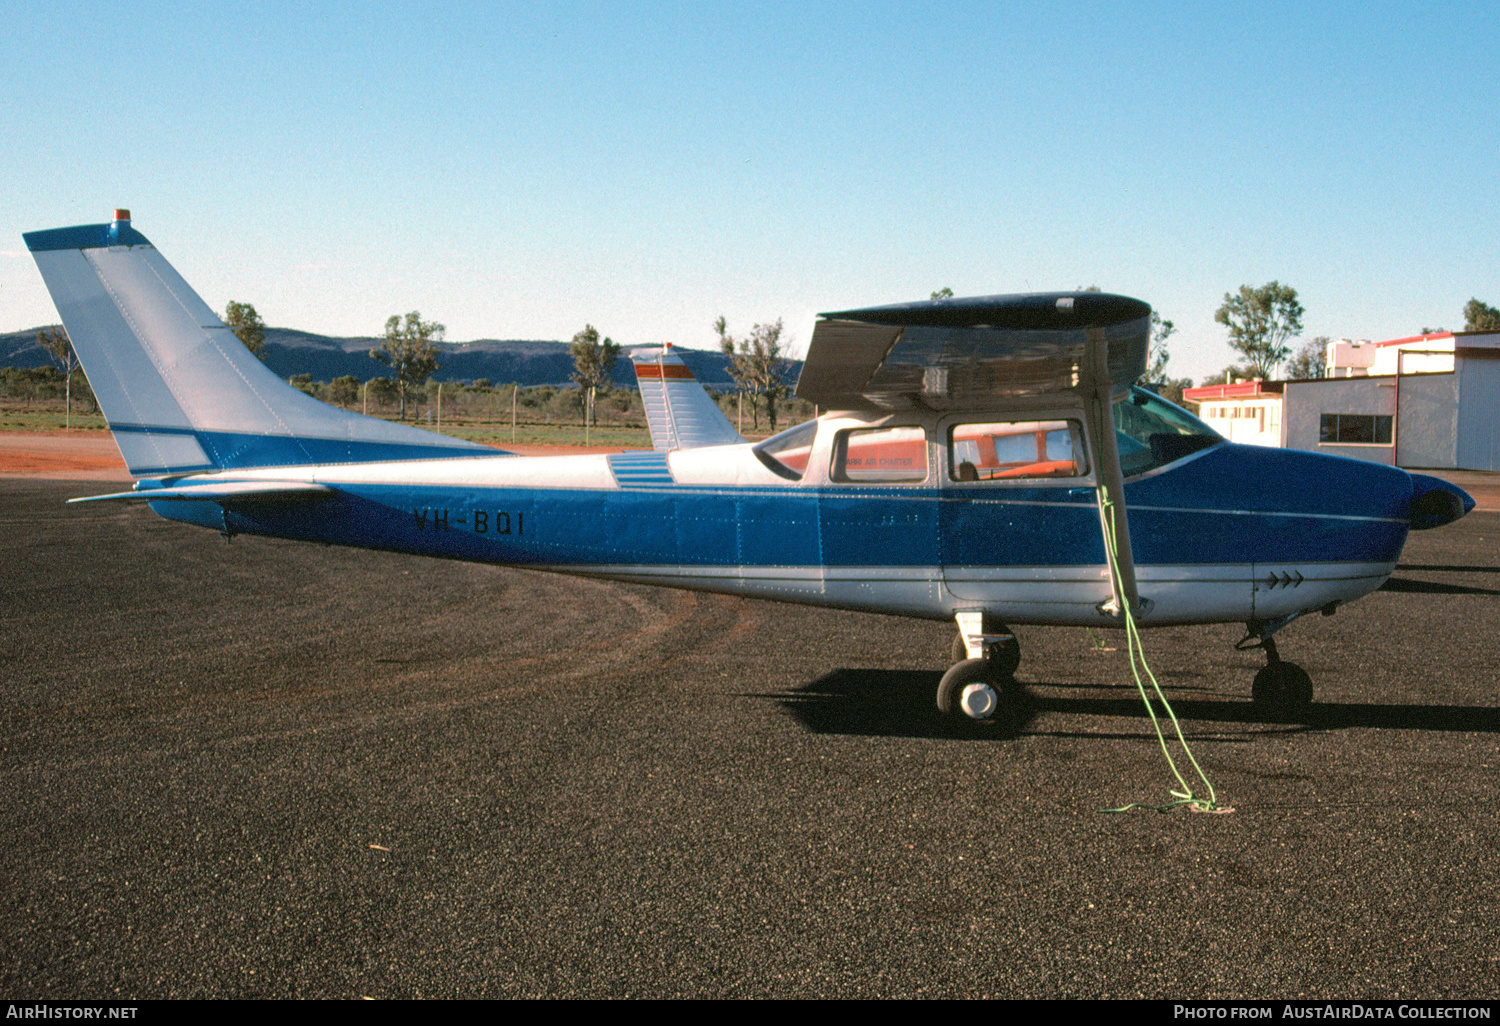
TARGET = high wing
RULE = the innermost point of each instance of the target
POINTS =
(955, 354)
(986, 352)
(678, 410)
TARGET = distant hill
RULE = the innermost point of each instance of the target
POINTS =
(289, 352)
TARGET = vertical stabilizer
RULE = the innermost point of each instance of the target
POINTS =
(179, 391)
(680, 413)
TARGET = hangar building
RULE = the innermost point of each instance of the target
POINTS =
(1430, 400)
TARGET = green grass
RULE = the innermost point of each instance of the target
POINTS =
(16, 416)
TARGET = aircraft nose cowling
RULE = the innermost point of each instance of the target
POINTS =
(1435, 502)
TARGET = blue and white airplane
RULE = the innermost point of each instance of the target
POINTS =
(985, 461)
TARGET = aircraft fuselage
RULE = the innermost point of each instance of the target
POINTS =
(1227, 533)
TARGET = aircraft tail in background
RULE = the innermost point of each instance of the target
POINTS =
(179, 390)
(680, 413)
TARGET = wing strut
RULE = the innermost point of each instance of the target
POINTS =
(1113, 519)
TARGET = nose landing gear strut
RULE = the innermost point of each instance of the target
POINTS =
(1281, 688)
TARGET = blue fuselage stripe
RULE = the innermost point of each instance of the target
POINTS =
(847, 526)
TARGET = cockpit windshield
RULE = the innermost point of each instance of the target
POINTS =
(1151, 432)
(787, 453)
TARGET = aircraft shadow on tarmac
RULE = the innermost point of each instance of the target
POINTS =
(1401, 584)
(900, 703)
(1448, 568)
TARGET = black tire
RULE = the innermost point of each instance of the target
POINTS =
(1010, 706)
(960, 675)
(1282, 689)
(1008, 659)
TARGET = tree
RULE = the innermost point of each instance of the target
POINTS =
(247, 326)
(1309, 361)
(380, 391)
(60, 349)
(408, 350)
(1160, 330)
(593, 360)
(1480, 316)
(344, 391)
(1261, 324)
(757, 366)
(1170, 389)
(943, 293)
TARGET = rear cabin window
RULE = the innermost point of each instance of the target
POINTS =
(786, 453)
(1011, 449)
(881, 455)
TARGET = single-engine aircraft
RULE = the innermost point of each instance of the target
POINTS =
(985, 461)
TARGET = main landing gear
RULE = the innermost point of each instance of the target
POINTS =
(1281, 689)
(980, 685)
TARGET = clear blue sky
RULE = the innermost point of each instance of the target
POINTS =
(519, 171)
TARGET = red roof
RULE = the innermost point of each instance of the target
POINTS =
(1244, 390)
(1416, 338)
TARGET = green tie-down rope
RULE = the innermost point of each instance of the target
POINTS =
(1184, 796)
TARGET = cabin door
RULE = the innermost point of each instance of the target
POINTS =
(1019, 519)
(877, 521)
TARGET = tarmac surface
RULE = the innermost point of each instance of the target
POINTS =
(268, 769)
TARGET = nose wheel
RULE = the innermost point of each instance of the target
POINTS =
(1281, 689)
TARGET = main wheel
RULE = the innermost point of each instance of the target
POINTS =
(1282, 689)
(969, 690)
(972, 692)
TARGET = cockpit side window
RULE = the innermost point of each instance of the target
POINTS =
(1011, 449)
(786, 453)
(1151, 432)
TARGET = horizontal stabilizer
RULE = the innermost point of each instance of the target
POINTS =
(678, 410)
(223, 491)
(178, 389)
(955, 354)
